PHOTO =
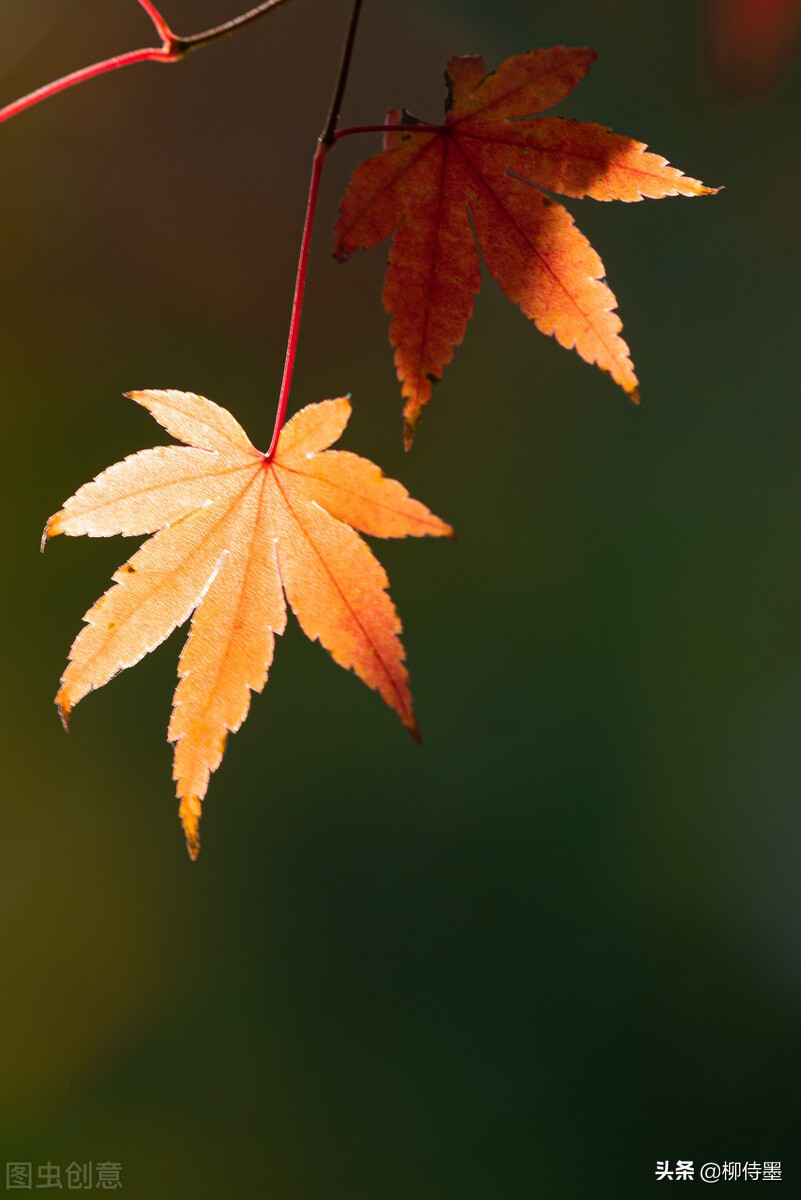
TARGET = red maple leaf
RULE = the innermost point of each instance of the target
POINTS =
(479, 177)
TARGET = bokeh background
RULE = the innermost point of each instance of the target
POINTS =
(561, 940)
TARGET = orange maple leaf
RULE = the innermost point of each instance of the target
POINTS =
(487, 165)
(232, 534)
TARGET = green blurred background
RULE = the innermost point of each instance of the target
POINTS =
(560, 941)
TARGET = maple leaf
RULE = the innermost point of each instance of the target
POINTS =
(233, 533)
(485, 166)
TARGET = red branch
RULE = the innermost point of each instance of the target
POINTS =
(305, 242)
(172, 49)
(420, 127)
(161, 26)
(324, 142)
(297, 299)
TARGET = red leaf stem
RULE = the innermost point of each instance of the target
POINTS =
(297, 299)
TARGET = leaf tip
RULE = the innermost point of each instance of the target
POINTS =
(442, 529)
(143, 396)
(64, 708)
(414, 729)
(189, 812)
(633, 394)
(410, 431)
(140, 395)
(694, 187)
(51, 529)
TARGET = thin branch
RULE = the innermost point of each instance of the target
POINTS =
(161, 26)
(151, 54)
(324, 142)
(327, 136)
(297, 298)
(172, 49)
(420, 127)
(228, 27)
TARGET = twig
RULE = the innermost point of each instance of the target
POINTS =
(418, 127)
(172, 49)
(327, 136)
(324, 142)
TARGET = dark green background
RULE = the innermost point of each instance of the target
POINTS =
(560, 941)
